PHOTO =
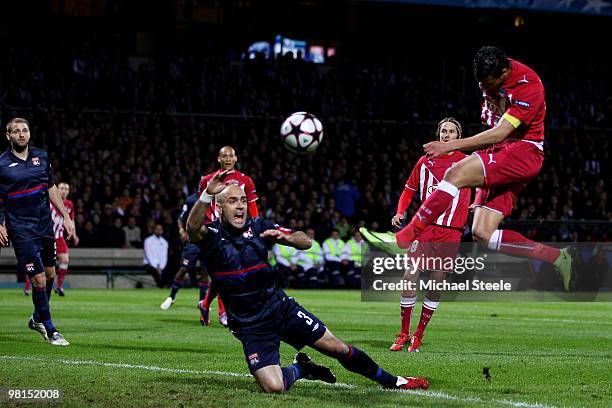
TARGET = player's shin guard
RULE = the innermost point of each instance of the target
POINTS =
(291, 374)
(406, 305)
(359, 362)
(203, 287)
(176, 285)
(42, 312)
(512, 243)
(61, 275)
(429, 307)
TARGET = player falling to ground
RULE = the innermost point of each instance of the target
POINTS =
(227, 160)
(260, 314)
(442, 236)
(514, 109)
(189, 260)
(26, 188)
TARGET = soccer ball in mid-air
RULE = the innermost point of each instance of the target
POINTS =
(302, 132)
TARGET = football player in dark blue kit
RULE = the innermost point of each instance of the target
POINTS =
(26, 187)
(261, 315)
(189, 261)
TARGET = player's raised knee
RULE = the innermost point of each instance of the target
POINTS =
(39, 280)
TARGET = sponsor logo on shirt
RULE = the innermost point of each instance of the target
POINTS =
(521, 103)
(35, 161)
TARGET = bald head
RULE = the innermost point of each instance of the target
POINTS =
(227, 158)
(232, 204)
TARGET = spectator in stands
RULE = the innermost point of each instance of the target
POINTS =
(351, 260)
(311, 262)
(132, 234)
(156, 254)
(286, 265)
(332, 252)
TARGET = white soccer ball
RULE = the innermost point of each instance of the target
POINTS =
(302, 132)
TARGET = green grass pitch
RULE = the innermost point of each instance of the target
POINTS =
(127, 352)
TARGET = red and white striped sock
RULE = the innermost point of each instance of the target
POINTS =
(429, 307)
(406, 305)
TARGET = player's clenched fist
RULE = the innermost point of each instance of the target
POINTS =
(396, 221)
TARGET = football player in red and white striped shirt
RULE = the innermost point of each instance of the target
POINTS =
(446, 229)
(512, 153)
(227, 160)
(60, 241)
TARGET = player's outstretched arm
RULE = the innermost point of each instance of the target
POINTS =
(482, 139)
(297, 239)
(195, 222)
(56, 199)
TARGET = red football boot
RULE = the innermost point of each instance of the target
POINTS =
(414, 383)
(399, 342)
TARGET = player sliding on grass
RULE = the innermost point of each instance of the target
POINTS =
(442, 237)
(512, 155)
(227, 159)
(260, 315)
(26, 188)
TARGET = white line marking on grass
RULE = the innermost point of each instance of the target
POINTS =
(419, 393)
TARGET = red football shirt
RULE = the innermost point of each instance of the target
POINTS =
(520, 100)
(58, 220)
(236, 177)
(425, 177)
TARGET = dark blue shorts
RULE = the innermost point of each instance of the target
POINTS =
(33, 256)
(189, 257)
(294, 326)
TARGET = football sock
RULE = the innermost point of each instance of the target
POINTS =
(291, 374)
(176, 285)
(429, 307)
(221, 305)
(406, 304)
(359, 362)
(437, 202)
(49, 288)
(61, 274)
(42, 312)
(210, 296)
(203, 286)
(26, 283)
(512, 243)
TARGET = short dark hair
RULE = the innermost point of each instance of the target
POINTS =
(9, 124)
(490, 61)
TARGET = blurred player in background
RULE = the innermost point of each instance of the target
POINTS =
(512, 155)
(61, 246)
(260, 314)
(227, 160)
(26, 189)
(189, 260)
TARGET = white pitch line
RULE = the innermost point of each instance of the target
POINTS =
(419, 393)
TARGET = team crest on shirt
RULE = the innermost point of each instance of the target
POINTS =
(248, 233)
(253, 359)
(30, 267)
(35, 161)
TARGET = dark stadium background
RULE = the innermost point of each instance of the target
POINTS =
(134, 142)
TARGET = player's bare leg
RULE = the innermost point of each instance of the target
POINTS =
(407, 302)
(430, 304)
(359, 362)
(485, 230)
(62, 261)
(467, 173)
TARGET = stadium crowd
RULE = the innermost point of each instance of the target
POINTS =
(133, 137)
